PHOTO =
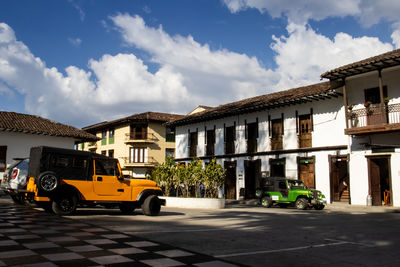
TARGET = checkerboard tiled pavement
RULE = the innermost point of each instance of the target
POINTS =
(30, 237)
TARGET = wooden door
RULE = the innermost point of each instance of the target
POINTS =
(375, 183)
(379, 180)
(306, 171)
(252, 172)
(340, 183)
(230, 179)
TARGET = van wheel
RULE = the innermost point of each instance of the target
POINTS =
(126, 208)
(48, 181)
(65, 204)
(151, 206)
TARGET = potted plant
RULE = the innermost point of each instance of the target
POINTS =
(367, 103)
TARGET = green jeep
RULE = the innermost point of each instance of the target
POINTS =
(286, 192)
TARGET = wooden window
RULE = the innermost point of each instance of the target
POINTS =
(170, 135)
(230, 134)
(3, 157)
(138, 132)
(210, 142)
(252, 135)
(305, 129)
(193, 144)
(276, 134)
(138, 155)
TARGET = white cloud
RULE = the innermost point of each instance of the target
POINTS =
(213, 76)
(304, 55)
(75, 41)
(368, 12)
(119, 85)
(189, 73)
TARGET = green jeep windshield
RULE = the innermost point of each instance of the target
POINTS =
(296, 184)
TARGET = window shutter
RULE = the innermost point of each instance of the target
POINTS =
(312, 120)
(297, 121)
(269, 126)
(283, 123)
(224, 133)
(257, 127)
(245, 130)
(205, 135)
(234, 130)
(189, 138)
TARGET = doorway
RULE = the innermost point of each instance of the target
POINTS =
(339, 176)
(306, 171)
(380, 180)
(230, 179)
(252, 173)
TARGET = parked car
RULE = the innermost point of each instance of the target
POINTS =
(15, 179)
(289, 192)
(59, 179)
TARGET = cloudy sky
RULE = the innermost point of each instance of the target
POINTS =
(80, 62)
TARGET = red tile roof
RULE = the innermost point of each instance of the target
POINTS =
(381, 61)
(263, 102)
(141, 117)
(30, 124)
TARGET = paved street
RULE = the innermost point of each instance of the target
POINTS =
(245, 235)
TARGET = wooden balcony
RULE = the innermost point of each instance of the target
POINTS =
(374, 119)
(92, 145)
(150, 162)
(140, 138)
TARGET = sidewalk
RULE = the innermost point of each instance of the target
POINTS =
(342, 206)
(335, 206)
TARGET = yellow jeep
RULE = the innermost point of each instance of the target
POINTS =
(60, 179)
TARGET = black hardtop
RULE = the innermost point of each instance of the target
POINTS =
(39, 156)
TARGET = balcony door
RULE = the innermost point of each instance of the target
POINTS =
(138, 132)
(376, 114)
(305, 131)
(277, 132)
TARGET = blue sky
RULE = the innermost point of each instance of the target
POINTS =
(84, 61)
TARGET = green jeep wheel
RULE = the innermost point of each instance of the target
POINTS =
(266, 201)
(301, 204)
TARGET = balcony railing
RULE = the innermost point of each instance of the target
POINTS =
(150, 161)
(141, 138)
(373, 119)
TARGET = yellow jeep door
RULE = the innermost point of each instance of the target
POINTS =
(105, 178)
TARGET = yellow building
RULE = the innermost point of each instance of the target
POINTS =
(139, 141)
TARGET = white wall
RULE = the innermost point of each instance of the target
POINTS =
(19, 144)
(328, 121)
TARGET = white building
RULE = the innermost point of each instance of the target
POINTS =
(371, 89)
(296, 133)
(20, 132)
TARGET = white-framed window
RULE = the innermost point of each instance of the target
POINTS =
(138, 155)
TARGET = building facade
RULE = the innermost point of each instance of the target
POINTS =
(371, 89)
(19, 132)
(139, 141)
(296, 133)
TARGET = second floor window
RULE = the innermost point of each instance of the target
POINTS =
(111, 136)
(170, 135)
(193, 144)
(252, 135)
(104, 138)
(277, 134)
(138, 132)
(210, 142)
(305, 129)
(230, 136)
